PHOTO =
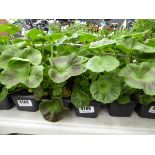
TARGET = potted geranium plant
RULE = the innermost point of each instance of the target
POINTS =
(124, 105)
(141, 77)
(60, 70)
(81, 98)
(20, 70)
(55, 103)
(146, 106)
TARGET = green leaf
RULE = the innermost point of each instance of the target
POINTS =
(140, 77)
(101, 64)
(53, 110)
(33, 55)
(143, 48)
(126, 41)
(20, 42)
(7, 54)
(64, 67)
(16, 72)
(106, 89)
(35, 34)
(151, 42)
(60, 41)
(35, 77)
(56, 36)
(58, 89)
(102, 43)
(76, 35)
(4, 39)
(79, 98)
(145, 99)
(3, 93)
(10, 28)
(131, 43)
(123, 99)
(40, 92)
(87, 37)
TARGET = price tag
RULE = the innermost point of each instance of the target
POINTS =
(24, 103)
(152, 109)
(88, 109)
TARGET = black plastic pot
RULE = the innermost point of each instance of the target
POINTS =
(119, 110)
(25, 101)
(6, 104)
(66, 102)
(90, 111)
(146, 111)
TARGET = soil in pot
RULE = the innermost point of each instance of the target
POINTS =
(119, 110)
(90, 111)
(25, 101)
(6, 104)
(146, 111)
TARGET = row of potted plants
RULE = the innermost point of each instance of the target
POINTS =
(50, 72)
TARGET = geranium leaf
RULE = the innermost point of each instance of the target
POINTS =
(60, 41)
(56, 36)
(7, 54)
(87, 37)
(150, 42)
(3, 93)
(4, 39)
(35, 77)
(140, 77)
(146, 99)
(10, 28)
(143, 48)
(106, 89)
(102, 43)
(17, 71)
(79, 98)
(20, 42)
(123, 99)
(102, 63)
(35, 34)
(53, 110)
(64, 67)
(33, 55)
(126, 41)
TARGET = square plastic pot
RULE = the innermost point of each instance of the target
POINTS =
(119, 110)
(146, 111)
(6, 104)
(25, 101)
(90, 111)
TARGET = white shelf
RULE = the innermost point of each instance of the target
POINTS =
(14, 121)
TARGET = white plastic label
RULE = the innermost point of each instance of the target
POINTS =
(24, 103)
(87, 109)
(152, 109)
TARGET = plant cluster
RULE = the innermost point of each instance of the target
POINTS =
(78, 64)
